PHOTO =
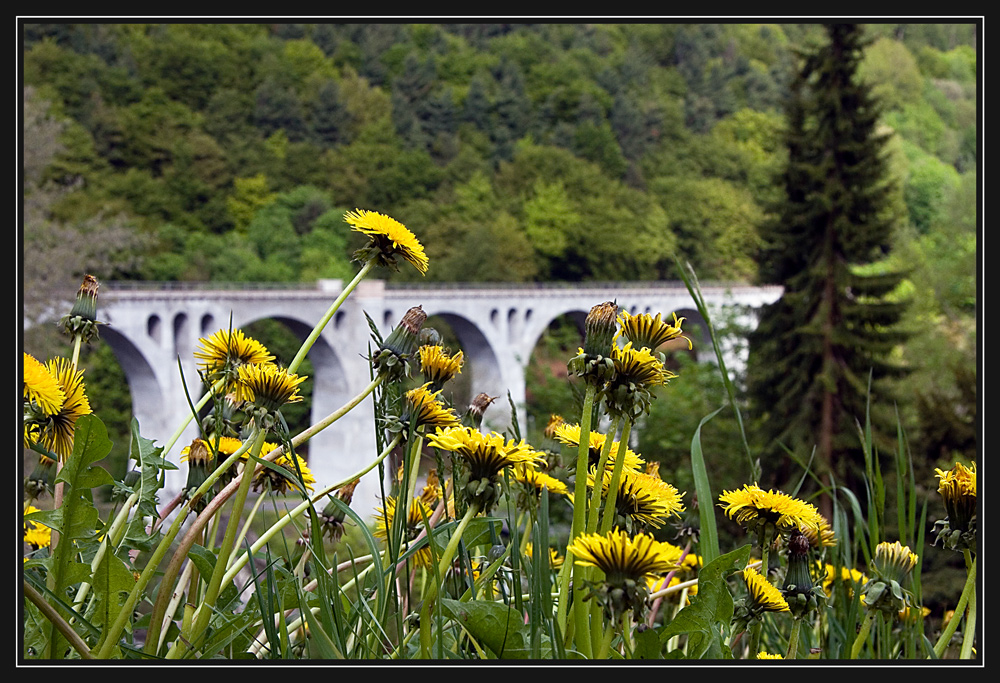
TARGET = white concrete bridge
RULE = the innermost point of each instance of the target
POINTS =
(497, 325)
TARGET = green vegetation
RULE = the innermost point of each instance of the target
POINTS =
(542, 152)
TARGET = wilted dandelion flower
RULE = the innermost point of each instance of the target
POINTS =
(389, 238)
(645, 331)
(221, 355)
(393, 358)
(332, 517)
(284, 473)
(438, 366)
(82, 319)
(762, 511)
(593, 362)
(626, 562)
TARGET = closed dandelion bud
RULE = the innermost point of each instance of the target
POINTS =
(332, 518)
(199, 459)
(593, 361)
(125, 488)
(40, 480)
(393, 357)
(890, 567)
(800, 593)
(82, 318)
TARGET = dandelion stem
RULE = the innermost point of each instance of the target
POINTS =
(593, 512)
(610, 512)
(866, 626)
(578, 526)
(314, 335)
(968, 593)
(793, 640)
(969, 636)
(191, 640)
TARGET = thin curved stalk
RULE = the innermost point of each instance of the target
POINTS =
(314, 335)
(53, 616)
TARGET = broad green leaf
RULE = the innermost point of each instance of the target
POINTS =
(706, 620)
(112, 582)
(497, 626)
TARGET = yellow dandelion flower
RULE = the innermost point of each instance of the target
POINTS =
(485, 454)
(267, 386)
(645, 331)
(642, 498)
(222, 354)
(893, 561)
(426, 410)
(622, 557)
(437, 366)
(35, 534)
(388, 237)
(57, 434)
(638, 367)
(41, 388)
(419, 510)
(286, 476)
(752, 507)
(536, 480)
(555, 559)
(957, 487)
(764, 655)
(569, 434)
(763, 595)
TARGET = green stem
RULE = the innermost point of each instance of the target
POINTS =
(793, 640)
(113, 536)
(192, 639)
(296, 512)
(443, 566)
(755, 631)
(967, 592)
(579, 517)
(174, 567)
(610, 512)
(246, 528)
(314, 335)
(593, 512)
(969, 635)
(866, 626)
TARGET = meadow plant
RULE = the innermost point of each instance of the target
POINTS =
(470, 565)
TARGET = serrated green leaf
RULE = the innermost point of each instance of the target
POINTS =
(498, 627)
(112, 581)
(706, 620)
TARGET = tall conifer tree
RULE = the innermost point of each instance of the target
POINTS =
(813, 350)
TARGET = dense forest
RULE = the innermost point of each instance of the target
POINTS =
(525, 152)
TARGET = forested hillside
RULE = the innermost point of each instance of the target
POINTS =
(568, 152)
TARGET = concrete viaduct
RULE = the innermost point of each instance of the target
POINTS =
(497, 325)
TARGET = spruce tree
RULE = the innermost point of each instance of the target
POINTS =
(814, 349)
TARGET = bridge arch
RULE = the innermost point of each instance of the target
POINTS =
(481, 359)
